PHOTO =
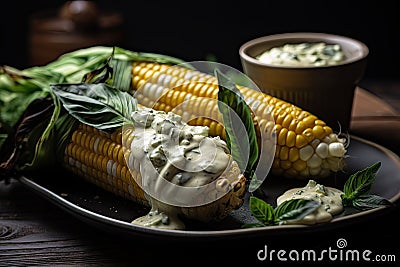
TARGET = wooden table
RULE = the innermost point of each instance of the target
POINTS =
(34, 232)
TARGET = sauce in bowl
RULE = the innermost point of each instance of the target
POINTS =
(303, 54)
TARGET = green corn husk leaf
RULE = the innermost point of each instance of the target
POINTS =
(21, 89)
(31, 142)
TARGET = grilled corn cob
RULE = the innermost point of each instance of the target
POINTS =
(107, 160)
(305, 146)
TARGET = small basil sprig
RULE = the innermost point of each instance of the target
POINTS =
(356, 194)
(357, 190)
(288, 211)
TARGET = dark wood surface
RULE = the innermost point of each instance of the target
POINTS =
(35, 232)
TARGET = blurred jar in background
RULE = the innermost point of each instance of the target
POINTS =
(74, 25)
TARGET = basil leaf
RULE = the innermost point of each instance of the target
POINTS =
(365, 202)
(294, 210)
(261, 210)
(359, 183)
(98, 105)
(244, 151)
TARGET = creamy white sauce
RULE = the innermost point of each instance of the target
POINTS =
(172, 155)
(328, 198)
(303, 54)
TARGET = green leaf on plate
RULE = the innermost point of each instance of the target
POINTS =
(262, 211)
(359, 183)
(288, 211)
(294, 210)
(357, 190)
(365, 202)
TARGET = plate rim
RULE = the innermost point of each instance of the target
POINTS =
(90, 215)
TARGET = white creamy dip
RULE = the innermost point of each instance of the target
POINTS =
(328, 198)
(303, 54)
(169, 155)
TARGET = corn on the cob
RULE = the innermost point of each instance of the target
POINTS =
(99, 157)
(105, 160)
(305, 146)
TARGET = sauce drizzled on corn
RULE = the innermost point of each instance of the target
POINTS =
(303, 54)
(171, 152)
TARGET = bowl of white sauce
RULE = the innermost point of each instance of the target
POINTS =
(315, 71)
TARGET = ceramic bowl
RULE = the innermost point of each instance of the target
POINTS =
(326, 91)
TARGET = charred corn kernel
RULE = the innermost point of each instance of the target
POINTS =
(303, 141)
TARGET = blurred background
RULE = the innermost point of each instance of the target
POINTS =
(36, 32)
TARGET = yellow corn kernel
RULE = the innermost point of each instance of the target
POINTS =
(284, 153)
(294, 127)
(282, 136)
(290, 139)
(293, 154)
(318, 131)
(103, 164)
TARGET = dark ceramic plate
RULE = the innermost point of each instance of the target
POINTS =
(111, 213)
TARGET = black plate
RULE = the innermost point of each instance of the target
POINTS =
(103, 209)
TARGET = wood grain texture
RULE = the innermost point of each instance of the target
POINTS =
(376, 114)
(34, 232)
